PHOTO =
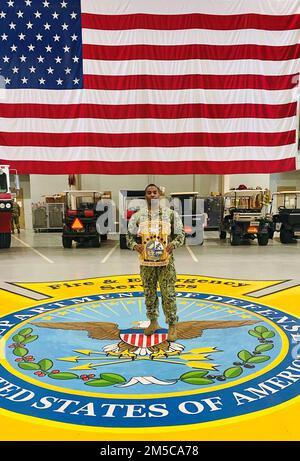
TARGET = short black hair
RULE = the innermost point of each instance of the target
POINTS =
(152, 185)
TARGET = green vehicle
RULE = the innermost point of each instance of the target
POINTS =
(246, 217)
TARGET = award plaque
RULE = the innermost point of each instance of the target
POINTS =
(154, 237)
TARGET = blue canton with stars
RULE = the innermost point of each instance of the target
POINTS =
(41, 44)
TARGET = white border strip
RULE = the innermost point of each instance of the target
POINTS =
(190, 37)
(111, 126)
(218, 7)
(157, 154)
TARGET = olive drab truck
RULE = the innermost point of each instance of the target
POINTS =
(6, 201)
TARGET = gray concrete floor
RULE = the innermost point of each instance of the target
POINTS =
(35, 257)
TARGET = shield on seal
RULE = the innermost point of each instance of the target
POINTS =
(138, 339)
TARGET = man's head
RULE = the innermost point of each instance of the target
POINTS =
(152, 195)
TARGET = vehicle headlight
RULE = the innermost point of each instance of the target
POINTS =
(2, 205)
(8, 205)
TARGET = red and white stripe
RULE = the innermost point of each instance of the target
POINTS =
(140, 340)
(169, 87)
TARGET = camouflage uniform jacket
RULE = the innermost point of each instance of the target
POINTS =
(15, 209)
(177, 237)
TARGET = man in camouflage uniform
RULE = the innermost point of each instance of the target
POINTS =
(165, 275)
(15, 217)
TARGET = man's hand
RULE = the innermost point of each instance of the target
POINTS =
(138, 248)
(169, 248)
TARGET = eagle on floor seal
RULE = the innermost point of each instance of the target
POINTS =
(133, 342)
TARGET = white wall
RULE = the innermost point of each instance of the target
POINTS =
(285, 179)
(42, 184)
(113, 183)
(204, 184)
(25, 186)
(250, 180)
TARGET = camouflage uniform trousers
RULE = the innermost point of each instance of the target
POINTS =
(166, 277)
(15, 223)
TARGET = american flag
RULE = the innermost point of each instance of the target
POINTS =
(151, 87)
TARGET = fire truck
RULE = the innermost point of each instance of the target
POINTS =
(6, 201)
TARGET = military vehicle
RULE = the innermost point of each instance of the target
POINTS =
(286, 215)
(246, 217)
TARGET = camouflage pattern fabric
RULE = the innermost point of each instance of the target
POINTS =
(15, 209)
(165, 276)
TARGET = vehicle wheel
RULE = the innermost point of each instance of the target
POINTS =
(263, 239)
(223, 235)
(5, 240)
(235, 239)
(287, 236)
(95, 242)
(103, 237)
(123, 244)
(67, 242)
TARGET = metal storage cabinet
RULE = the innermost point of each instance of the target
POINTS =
(39, 217)
(55, 215)
(48, 216)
